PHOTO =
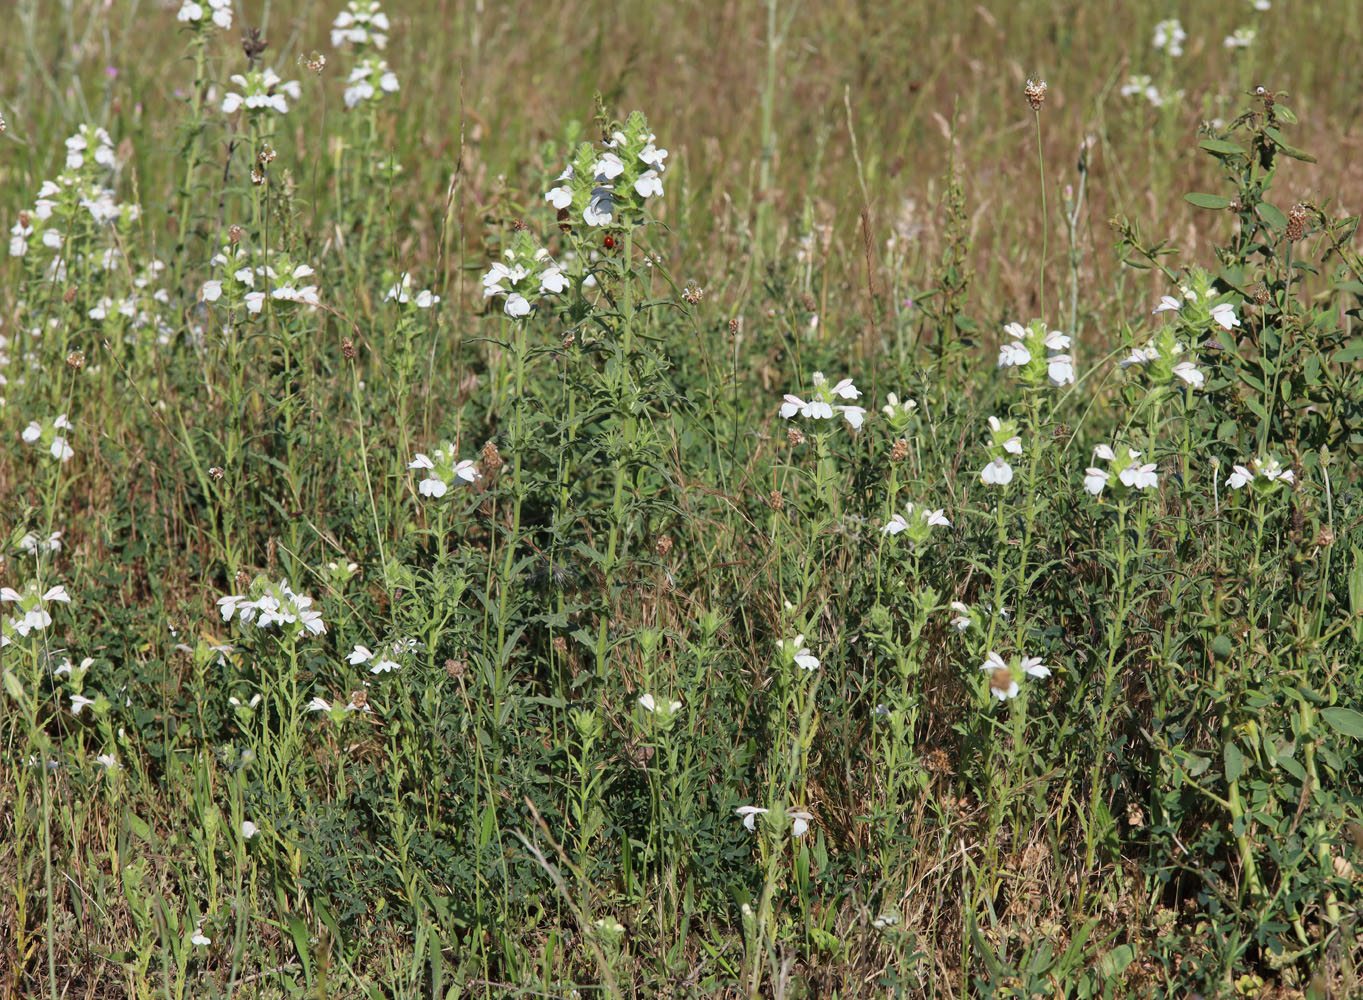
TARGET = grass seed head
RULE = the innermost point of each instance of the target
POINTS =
(1035, 92)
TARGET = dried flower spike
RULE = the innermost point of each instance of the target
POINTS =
(1296, 223)
(1035, 93)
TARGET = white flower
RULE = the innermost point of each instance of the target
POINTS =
(997, 473)
(1240, 477)
(649, 184)
(1224, 315)
(963, 619)
(1013, 355)
(664, 708)
(600, 208)
(31, 543)
(190, 12)
(255, 301)
(1170, 36)
(750, 814)
(553, 280)
(795, 651)
(108, 761)
(517, 305)
(1168, 303)
(654, 157)
(212, 291)
(384, 666)
(248, 829)
(1033, 667)
(1060, 369)
(1242, 38)
(607, 168)
(1139, 477)
(1190, 373)
(360, 654)
(1095, 479)
(78, 702)
(1002, 684)
(319, 705)
(1013, 444)
(200, 938)
(799, 822)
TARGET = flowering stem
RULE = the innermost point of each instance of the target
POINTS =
(1029, 518)
(1116, 632)
(199, 42)
(1045, 219)
(625, 379)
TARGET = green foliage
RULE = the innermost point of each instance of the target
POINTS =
(368, 635)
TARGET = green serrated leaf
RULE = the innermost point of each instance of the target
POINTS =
(1215, 202)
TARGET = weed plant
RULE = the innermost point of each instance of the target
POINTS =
(421, 589)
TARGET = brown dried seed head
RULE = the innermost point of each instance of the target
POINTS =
(347, 348)
(235, 233)
(456, 668)
(1001, 679)
(359, 698)
(693, 293)
(560, 645)
(519, 226)
(1296, 223)
(1035, 92)
(662, 546)
(216, 473)
(809, 302)
(735, 325)
(76, 360)
(1259, 293)
(899, 451)
(569, 339)
(492, 458)
(69, 295)
(1325, 538)
(795, 437)
(24, 219)
(775, 501)
(1135, 818)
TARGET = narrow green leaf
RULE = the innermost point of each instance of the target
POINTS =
(1286, 149)
(1211, 201)
(1348, 355)
(1222, 146)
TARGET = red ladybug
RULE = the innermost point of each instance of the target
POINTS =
(609, 242)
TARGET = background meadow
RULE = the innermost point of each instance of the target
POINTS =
(874, 525)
